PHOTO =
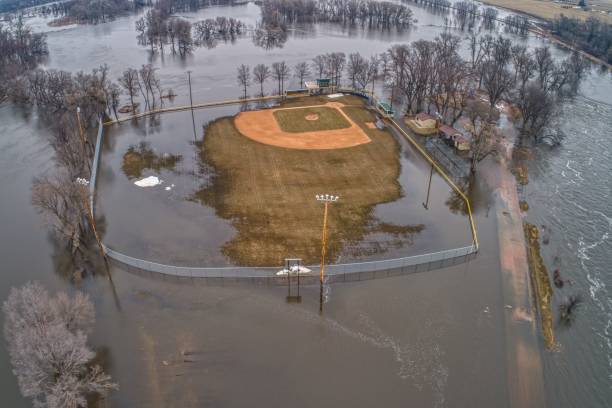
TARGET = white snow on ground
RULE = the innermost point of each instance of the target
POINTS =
(150, 181)
(293, 270)
(334, 96)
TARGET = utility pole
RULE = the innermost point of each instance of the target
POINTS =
(190, 96)
(195, 138)
(426, 203)
(326, 199)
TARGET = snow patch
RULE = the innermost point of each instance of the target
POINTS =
(150, 181)
(334, 96)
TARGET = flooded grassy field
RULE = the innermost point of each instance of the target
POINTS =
(247, 203)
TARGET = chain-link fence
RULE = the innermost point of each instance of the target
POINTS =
(334, 273)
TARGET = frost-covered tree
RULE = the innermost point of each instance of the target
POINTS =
(47, 344)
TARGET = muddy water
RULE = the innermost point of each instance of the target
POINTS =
(433, 339)
(569, 193)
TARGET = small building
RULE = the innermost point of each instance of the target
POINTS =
(423, 124)
(385, 109)
(454, 137)
(425, 120)
(319, 86)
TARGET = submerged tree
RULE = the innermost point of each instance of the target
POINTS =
(47, 344)
(244, 78)
(129, 82)
(261, 73)
(301, 71)
(280, 72)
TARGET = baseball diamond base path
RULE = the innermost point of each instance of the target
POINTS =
(261, 126)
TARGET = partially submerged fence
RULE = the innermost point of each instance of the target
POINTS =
(335, 273)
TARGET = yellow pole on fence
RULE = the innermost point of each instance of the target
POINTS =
(446, 178)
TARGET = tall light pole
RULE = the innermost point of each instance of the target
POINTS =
(326, 199)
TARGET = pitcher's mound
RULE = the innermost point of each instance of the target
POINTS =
(305, 127)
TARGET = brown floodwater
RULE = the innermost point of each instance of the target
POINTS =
(430, 339)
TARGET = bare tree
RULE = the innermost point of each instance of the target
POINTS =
(481, 128)
(47, 344)
(244, 77)
(335, 63)
(524, 65)
(354, 65)
(280, 72)
(494, 72)
(301, 71)
(318, 65)
(449, 78)
(261, 73)
(129, 82)
(545, 65)
(147, 83)
(182, 28)
(497, 81)
(538, 108)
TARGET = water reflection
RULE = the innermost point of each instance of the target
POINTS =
(142, 157)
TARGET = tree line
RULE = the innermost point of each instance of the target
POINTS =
(158, 29)
(431, 76)
(366, 12)
(90, 11)
(592, 35)
(20, 51)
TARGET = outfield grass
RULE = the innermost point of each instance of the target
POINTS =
(294, 120)
(268, 193)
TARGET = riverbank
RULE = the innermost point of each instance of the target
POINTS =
(524, 370)
(524, 366)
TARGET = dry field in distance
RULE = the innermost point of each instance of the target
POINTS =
(549, 10)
